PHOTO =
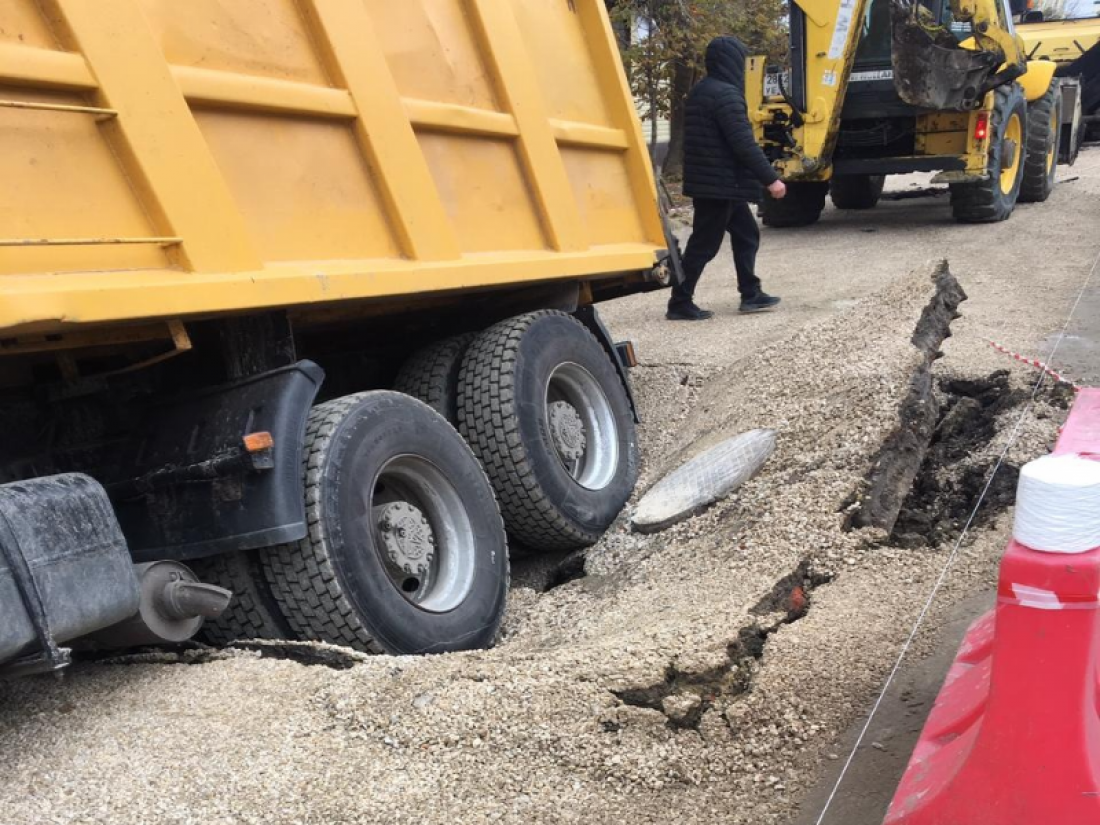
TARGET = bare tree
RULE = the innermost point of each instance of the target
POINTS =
(667, 41)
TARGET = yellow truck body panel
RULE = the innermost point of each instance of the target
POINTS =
(1061, 41)
(165, 159)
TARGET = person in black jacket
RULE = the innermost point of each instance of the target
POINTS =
(724, 171)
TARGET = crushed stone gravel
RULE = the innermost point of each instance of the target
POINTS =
(648, 689)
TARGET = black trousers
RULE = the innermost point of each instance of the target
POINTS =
(713, 219)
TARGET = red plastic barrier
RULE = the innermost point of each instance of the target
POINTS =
(1014, 736)
(1081, 434)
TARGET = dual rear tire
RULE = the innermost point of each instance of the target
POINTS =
(544, 409)
(805, 200)
(542, 406)
(406, 550)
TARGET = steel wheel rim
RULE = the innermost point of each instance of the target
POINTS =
(1013, 134)
(575, 386)
(448, 576)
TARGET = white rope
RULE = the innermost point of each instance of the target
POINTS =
(949, 563)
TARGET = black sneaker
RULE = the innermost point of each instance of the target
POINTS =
(688, 313)
(760, 302)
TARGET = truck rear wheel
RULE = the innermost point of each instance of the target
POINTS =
(856, 191)
(431, 375)
(544, 409)
(801, 207)
(253, 612)
(995, 198)
(1044, 136)
(406, 551)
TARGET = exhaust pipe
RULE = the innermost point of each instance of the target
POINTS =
(174, 604)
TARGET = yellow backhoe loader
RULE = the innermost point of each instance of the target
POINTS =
(884, 87)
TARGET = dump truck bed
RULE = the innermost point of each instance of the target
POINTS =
(169, 160)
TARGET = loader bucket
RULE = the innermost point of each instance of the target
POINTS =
(931, 71)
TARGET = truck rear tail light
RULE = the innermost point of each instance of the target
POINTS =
(981, 127)
(625, 350)
(258, 442)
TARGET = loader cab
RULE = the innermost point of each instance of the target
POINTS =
(871, 91)
(875, 121)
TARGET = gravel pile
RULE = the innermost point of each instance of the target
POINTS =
(701, 674)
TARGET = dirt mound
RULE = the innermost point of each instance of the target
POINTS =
(698, 671)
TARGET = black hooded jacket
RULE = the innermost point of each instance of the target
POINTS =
(721, 157)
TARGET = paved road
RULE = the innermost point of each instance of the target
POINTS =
(1078, 354)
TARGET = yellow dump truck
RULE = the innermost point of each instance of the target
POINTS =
(297, 314)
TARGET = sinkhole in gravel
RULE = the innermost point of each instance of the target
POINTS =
(922, 489)
(684, 696)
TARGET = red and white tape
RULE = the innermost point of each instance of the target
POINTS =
(1035, 362)
(1037, 598)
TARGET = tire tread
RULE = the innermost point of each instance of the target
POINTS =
(431, 374)
(802, 206)
(253, 613)
(301, 574)
(1038, 184)
(488, 420)
(983, 201)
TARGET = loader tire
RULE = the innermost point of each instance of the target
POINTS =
(801, 207)
(406, 551)
(545, 411)
(856, 191)
(1044, 137)
(994, 199)
(431, 375)
(253, 612)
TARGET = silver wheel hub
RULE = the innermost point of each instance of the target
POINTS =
(406, 536)
(567, 430)
(581, 426)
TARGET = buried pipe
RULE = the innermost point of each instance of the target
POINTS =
(703, 480)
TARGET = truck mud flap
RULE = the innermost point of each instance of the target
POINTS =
(194, 490)
(588, 316)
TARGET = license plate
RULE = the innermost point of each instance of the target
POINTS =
(771, 84)
(865, 77)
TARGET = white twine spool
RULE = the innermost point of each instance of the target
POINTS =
(1058, 504)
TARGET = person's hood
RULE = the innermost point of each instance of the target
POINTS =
(726, 60)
